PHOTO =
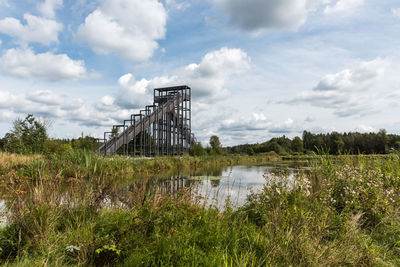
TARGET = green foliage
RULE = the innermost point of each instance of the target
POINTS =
(87, 142)
(215, 144)
(197, 150)
(352, 143)
(343, 212)
(297, 145)
(55, 146)
(27, 136)
(2, 143)
(336, 143)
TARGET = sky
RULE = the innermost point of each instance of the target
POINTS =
(257, 68)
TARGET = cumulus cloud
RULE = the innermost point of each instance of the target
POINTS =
(25, 63)
(256, 122)
(353, 79)
(206, 79)
(51, 105)
(36, 29)
(236, 127)
(41, 103)
(347, 92)
(256, 15)
(138, 93)
(288, 126)
(343, 6)
(45, 97)
(128, 28)
(47, 8)
(106, 103)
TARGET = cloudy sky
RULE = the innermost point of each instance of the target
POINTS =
(257, 68)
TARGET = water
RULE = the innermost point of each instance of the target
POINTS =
(216, 186)
(208, 187)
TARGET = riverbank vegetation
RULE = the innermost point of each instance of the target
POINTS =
(61, 204)
(85, 210)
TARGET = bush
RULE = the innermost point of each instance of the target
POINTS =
(56, 147)
(27, 136)
(197, 150)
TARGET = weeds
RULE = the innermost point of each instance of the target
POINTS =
(79, 209)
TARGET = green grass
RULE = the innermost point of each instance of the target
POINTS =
(345, 212)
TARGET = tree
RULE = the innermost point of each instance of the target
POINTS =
(26, 136)
(215, 144)
(250, 151)
(297, 144)
(336, 143)
(274, 146)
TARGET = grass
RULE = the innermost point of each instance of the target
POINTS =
(79, 209)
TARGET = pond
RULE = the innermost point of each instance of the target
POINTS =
(209, 186)
(234, 183)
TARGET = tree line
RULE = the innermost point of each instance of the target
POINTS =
(333, 143)
(29, 136)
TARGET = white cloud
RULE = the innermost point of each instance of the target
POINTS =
(5, 99)
(48, 104)
(25, 63)
(256, 122)
(36, 29)
(366, 129)
(288, 126)
(353, 79)
(46, 97)
(259, 117)
(47, 8)
(343, 6)
(348, 92)
(207, 79)
(396, 12)
(138, 93)
(255, 15)
(177, 5)
(128, 28)
(6, 115)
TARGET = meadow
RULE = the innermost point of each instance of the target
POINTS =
(70, 209)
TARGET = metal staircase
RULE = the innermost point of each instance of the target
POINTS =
(163, 128)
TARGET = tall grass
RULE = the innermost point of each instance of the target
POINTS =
(77, 209)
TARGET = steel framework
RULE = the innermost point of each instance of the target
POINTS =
(163, 128)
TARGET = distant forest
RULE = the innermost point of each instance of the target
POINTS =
(333, 143)
(29, 136)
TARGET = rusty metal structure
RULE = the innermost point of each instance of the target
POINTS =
(163, 128)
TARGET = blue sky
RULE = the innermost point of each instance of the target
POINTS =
(257, 68)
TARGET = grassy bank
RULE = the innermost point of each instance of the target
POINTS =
(72, 210)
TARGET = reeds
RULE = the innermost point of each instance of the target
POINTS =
(80, 209)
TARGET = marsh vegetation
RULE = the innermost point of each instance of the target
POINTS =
(81, 209)
(68, 206)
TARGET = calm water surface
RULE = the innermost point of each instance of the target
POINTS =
(234, 183)
(212, 186)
